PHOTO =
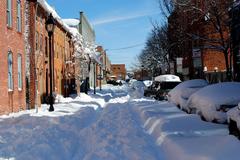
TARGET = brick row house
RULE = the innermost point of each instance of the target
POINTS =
(62, 59)
(12, 57)
(196, 44)
(24, 58)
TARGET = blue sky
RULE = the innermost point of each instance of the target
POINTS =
(117, 23)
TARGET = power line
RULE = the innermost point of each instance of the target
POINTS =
(128, 47)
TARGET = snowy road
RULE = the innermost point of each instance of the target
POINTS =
(112, 125)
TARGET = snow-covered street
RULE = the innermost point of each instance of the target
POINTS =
(113, 125)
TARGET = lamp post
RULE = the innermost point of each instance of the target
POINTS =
(50, 24)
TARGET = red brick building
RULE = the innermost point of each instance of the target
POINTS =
(12, 57)
(191, 37)
(118, 71)
(62, 56)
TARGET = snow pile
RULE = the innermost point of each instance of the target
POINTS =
(131, 81)
(61, 99)
(209, 99)
(136, 89)
(167, 78)
(180, 94)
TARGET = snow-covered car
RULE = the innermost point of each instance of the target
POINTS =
(233, 117)
(213, 101)
(180, 94)
(136, 89)
(161, 86)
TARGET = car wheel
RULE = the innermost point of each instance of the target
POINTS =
(233, 129)
(203, 118)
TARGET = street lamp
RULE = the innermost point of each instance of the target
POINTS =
(50, 25)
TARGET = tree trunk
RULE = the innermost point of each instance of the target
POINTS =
(228, 71)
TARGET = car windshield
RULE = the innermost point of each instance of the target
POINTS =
(168, 85)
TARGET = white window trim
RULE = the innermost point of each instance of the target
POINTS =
(9, 10)
(20, 85)
(10, 85)
(19, 16)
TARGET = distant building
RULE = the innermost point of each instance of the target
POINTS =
(86, 30)
(105, 67)
(118, 71)
(141, 75)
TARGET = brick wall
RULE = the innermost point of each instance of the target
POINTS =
(212, 59)
(118, 70)
(11, 40)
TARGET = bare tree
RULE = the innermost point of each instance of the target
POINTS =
(155, 54)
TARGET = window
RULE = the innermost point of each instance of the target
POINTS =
(19, 16)
(19, 71)
(10, 71)
(9, 13)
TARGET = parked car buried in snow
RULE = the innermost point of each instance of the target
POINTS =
(213, 101)
(233, 117)
(180, 94)
(161, 86)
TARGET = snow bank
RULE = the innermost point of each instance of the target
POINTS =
(136, 89)
(180, 94)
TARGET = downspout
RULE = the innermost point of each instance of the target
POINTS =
(64, 61)
(35, 68)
